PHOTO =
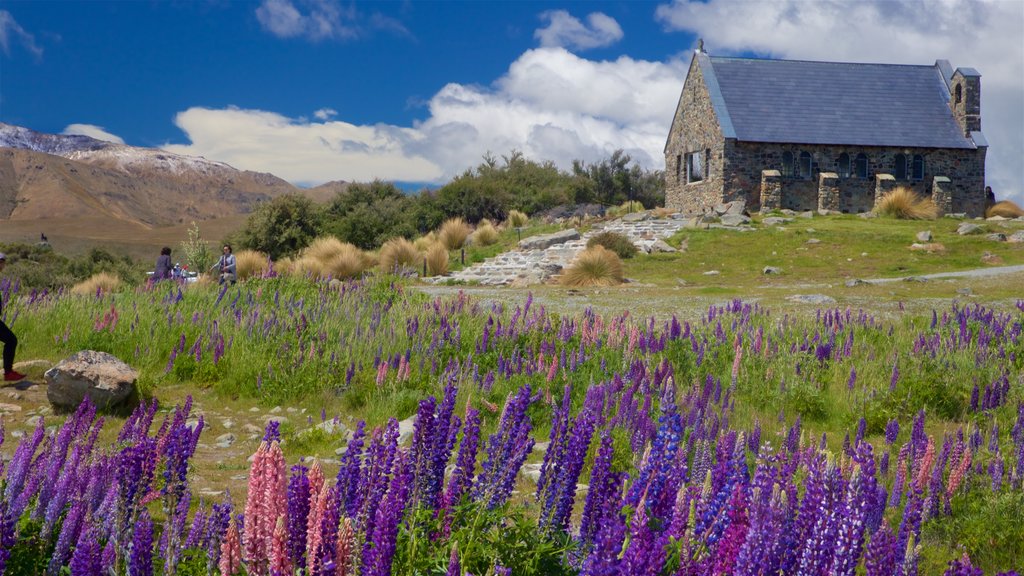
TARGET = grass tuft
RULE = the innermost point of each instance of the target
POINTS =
(517, 219)
(595, 266)
(1004, 208)
(103, 282)
(904, 204)
(423, 243)
(625, 208)
(399, 253)
(250, 263)
(437, 260)
(614, 241)
(485, 234)
(453, 233)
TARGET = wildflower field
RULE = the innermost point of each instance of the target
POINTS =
(740, 441)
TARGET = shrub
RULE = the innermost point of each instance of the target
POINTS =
(625, 208)
(618, 243)
(453, 233)
(399, 253)
(103, 283)
(250, 263)
(198, 255)
(437, 260)
(281, 226)
(1004, 208)
(485, 234)
(596, 266)
(904, 204)
(517, 219)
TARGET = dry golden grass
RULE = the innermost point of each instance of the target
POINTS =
(904, 204)
(328, 257)
(324, 248)
(348, 263)
(437, 260)
(103, 282)
(307, 266)
(485, 234)
(423, 243)
(1004, 208)
(453, 233)
(662, 212)
(284, 266)
(517, 219)
(399, 253)
(250, 264)
(595, 266)
(624, 208)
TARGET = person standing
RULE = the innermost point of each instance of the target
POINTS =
(8, 338)
(226, 266)
(163, 265)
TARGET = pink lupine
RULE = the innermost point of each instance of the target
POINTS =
(957, 475)
(924, 464)
(553, 371)
(314, 536)
(251, 536)
(280, 562)
(382, 373)
(230, 551)
(343, 551)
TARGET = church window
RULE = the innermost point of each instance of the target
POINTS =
(694, 167)
(843, 165)
(917, 170)
(899, 171)
(862, 165)
(805, 165)
(959, 93)
(787, 164)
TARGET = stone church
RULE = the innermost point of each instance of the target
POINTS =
(825, 135)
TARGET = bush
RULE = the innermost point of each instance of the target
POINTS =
(399, 253)
(904, 204)
(485, 234)
(1005, 208)
(596, 266)
(618, 243)
(437, 260)
(517, 219)
(101, 283)
(453, 233)
(250, 263)
(282, 226)
(198, 256)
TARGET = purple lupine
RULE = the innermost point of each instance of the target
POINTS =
(389, 515)
(454, 568)
(507, 449)
(559, 503)
(963, 567)
(602, 491)
(465, 463)
(86, 559)
(348, 472)
(881, 557)
(298, 513)
(69, 531)
(860, 500)
(140, 555)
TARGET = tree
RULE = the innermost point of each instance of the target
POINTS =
(282, 226)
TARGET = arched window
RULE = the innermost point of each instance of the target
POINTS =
(805, 165)
(861, 165)
(899, 171)
(917, 170)
(959, 93)
(787, 164)
(843, 165)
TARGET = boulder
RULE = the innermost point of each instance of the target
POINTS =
(816, 299)
(771, 270)
(967, 228)
(661, 246)
(636, 216)
(735, 220)
(1015, 238)
(997, 237)
(101, 377)
(547, 240)
(924, 236)
(773, 220)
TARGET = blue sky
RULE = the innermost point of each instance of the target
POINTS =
(317, 90)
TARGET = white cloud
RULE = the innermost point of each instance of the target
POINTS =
(551, 105)
(10, 31)
(316, 20)
(985, 35)
(325, 113)
(92, 131)
(565, 30)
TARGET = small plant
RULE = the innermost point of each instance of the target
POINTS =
(101, 283)
(625, 208)
(197, 251)
(485, 234)
(614, 241)
(453, 233)
(904, 204)
(437, 260)
(251, 263)
(399, 253)
(517, 219)
(1004, 208)
(595, 266)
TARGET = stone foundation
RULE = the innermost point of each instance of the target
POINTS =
(771, 190)
(884, 183)
(828, 191)
(942, 194)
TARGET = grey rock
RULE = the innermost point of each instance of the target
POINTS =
(101, 377)
(967, 228)
(276, 418)
(773, 220)
(997, 237)
(712, 273)
(541, 446)
(807, 214)
(18, 434)
(531, 471)
(228, 424)
(816, 299)
(855, 282)
(225, 440)
(787, 212)
(1016, 237)
(636, 216)
(34, 421)
(867, 215)
(965, 291)
(813, 241)
(547, 240)
(924, 236)
(275, 410)
(331, 427)
(735, 220)
(919, 279)
(251, 428)
(31, 365)
(406, 428)
(771, 270)
(661, 246)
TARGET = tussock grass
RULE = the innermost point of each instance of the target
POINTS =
(250, 263)
(399, 253)
(329, 257)
(284, 266)
(423, 243)
(517, 219)
(614, 241)
(595, 266)
(324, 248)
(485, 234)
(1004, 208)
(625, 208)
(453, 233)
(347, 263)
(904, 204)
(103, 283)
(437, 260)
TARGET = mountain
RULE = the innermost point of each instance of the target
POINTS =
(49, 176)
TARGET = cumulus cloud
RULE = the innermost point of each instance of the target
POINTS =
(312, 19)
(11, 31)
(985, 35)
(92, 131)
(325, 113)
(566, 31)
(550, 104)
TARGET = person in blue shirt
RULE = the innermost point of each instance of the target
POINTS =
(226, 266)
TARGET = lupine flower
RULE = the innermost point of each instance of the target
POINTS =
(140, 556)
(230, 551)
(86, 559)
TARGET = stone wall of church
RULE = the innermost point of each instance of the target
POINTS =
(694, 130)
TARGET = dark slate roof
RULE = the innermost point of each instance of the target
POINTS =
(801, 102)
